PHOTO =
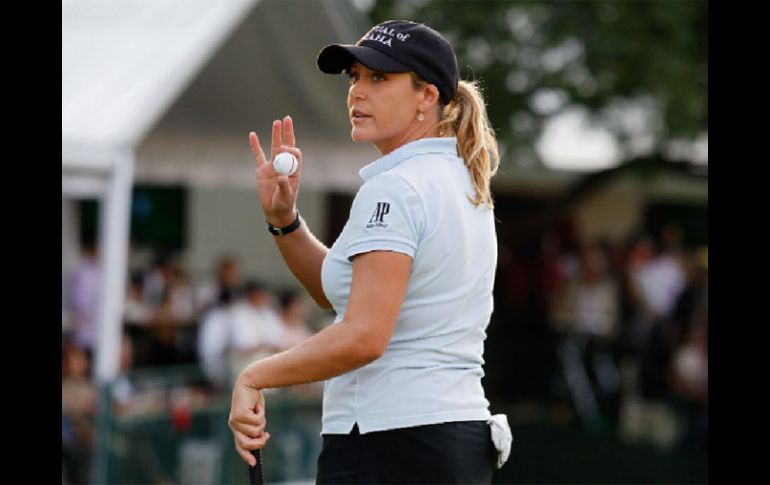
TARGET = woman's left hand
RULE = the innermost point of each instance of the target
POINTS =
(247, 420)
(277, 193)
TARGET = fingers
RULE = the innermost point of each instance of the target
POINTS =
(247, 421)
(244, 442)
(256, 148)
(276, 139)
(250, 430)
(240, 417)
(282, 137)
(284, 189)
(246, 456)
(244, 450)
(244, 419)
(252, 423)
(288, 131)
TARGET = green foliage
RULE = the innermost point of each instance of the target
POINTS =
(604, 56)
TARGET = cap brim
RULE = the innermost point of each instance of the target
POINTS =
(335, 58)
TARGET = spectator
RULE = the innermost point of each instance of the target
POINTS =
(214, 339)
(227, 276)
(86, 291)
(256, 330)
(78, 402)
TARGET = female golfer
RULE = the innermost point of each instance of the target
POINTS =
(409, 278)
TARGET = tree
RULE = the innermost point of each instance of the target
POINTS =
(638, 69)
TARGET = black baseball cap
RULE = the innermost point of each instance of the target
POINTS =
(399, 46)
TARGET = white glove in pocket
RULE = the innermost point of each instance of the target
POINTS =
(501, 437)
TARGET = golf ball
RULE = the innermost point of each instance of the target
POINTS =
(285, 163)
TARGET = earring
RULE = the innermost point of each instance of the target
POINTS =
(420, 117)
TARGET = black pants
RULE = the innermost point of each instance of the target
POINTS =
(460, 452)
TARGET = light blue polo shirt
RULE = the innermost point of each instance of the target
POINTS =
(413, 201)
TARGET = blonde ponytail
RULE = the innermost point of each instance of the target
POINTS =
(466, 118)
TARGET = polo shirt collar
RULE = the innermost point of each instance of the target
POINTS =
(423, 146)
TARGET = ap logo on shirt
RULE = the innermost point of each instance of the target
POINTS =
(377, 219)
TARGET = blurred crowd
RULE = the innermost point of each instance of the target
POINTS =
(617, 331)
(219, 325)
(621, 329)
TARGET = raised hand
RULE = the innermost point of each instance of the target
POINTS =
(277, 193)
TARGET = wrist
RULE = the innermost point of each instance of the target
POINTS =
(282, 220)
(243, 381)
(282, 230)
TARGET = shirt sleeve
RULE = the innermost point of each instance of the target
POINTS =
(387, 214)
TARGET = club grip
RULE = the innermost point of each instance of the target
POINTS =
(255, 472)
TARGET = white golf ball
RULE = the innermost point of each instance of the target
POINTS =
(285, 163)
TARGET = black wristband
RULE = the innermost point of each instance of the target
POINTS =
(282, 231)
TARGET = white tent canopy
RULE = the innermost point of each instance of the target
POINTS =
(125, 62)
